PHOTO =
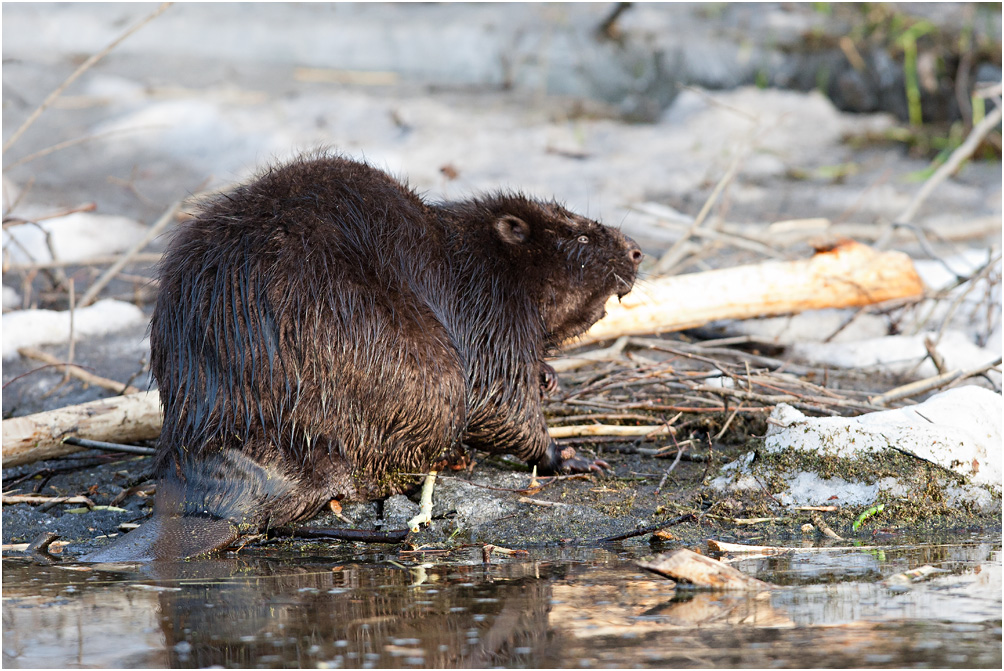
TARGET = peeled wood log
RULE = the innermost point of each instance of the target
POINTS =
(847, 275)
(118, 419)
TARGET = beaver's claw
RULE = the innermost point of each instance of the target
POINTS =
(573, 463)
(548, 379)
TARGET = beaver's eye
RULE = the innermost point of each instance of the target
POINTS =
(583, 239)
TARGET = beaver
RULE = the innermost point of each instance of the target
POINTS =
(322, 332)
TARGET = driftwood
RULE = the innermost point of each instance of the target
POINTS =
(121, 418)
(702, 572)
(847, 275)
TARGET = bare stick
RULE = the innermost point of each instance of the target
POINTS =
(823, 527)
(424, 515)
(672, 255)
(110, 447)
(543, 504)
(36, 499)
(84, 67)
(964, 151)
(154, 231)
(930, 384)
(149, 257)
(70, 143)
(17, 221)
(578, 430)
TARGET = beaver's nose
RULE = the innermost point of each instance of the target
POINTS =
(633, 251)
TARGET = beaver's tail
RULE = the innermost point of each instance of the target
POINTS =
(168, 538)
(206, 503)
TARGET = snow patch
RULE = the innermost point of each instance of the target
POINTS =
(808, 489)
(813, 326)
(30, 328)
(900, 354)
(75, 237)
(11, 299)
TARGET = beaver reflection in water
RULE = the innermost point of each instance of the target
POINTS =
(322, 332)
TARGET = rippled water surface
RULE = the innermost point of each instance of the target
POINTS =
(581, 607)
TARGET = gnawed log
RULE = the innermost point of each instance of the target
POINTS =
(847, 275)
(117, 419)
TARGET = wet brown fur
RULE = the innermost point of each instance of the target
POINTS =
(322, 332)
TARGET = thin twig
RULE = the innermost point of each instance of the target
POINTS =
(9, 222)
(930, 384)
(84, 67)
(543, 504)
(80, 140)
(154, 231)
(680, 449)
(962, 152)
(672, 255)
(73, 332)
(109, 447)
(648, 530)
(146, 257)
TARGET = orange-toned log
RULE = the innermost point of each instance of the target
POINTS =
(847, 275)
(120, 419)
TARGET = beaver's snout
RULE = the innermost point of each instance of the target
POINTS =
(634, 252)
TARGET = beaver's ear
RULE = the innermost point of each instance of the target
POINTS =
(512, 230)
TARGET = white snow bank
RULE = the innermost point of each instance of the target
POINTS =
(11, 298)
(75, 237)
(30, 328)
(959, 429)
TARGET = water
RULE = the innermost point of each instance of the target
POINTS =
(568, 607)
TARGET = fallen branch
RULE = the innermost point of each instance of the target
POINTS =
(930, 384)
(76, 371)
(40, 436)
(848, 275)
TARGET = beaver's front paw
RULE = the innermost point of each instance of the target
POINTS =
(565, 460)
(573, 463)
